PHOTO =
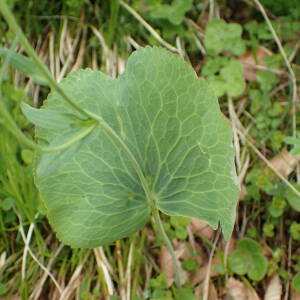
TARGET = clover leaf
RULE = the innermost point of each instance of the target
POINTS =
(220, 36)
(276, 207)
(225, 76)
(174, 12)
(248, 259)
(162, 142)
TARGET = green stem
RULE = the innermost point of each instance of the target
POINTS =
(10, 124)
(168, 244)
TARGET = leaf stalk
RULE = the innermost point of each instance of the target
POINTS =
(158, 222)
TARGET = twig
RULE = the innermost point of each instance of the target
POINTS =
(38, 289)
(103, 267)
(294, 52)
(105, 260)
(287, 62)
(128, 272)
(199, 30)
(35, 258)
(266, 161)
(207, 275)
(149, 27)
(25, 252)
(132, 42)
(73, 283)
(264, 68)
(235, 135)
(199, 44)
(180, 48)
(226, 253)
(62, 40)
(82, 49)
(287, 288)
(211, 9)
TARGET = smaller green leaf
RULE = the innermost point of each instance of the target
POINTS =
(190, 264)
(268, 229)
(46, 118)
(114, 298)
(2, 288)
(295, 231)
(277, 207)
(292, 198)
(296, 282)
(220, 36)
(160, 282)
(295, 151)
(7, 203)
(225, 76)
(24, 65)
(233, 30)
(292, 140)
(233, 41)
(232, 74)
(284, 274)
(248, 259)
(174, 12)
(296, 142)
(185, 293)
(214, 36)
(267, 80)
(218, 85)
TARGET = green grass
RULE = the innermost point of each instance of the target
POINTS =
(102, 34)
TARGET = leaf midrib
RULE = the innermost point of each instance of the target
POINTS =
(106, 128)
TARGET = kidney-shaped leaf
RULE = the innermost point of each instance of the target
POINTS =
(248, 259)
(170, 122)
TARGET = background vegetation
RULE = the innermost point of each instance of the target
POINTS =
(230, 44)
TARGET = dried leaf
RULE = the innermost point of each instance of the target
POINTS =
(166, 264)
(202, 228)
(243, 192)
(201, 273)
(274, 289)
(295, 295)
(284, 162)
(249, 62)
(212, 292)
(236, 290)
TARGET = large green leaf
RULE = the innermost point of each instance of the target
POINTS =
(169, 122)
